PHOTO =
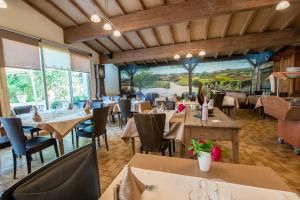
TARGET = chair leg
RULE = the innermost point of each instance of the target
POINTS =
(174, 146)
(98, 139)
(163, 153)
(56, 150)
(15, 163)
(51, 135)
(141, 149)
(72, 135)
(105, 138)
(170, 149)
(77, 141)
(41, 156)
(28, 163)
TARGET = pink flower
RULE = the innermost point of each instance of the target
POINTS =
(216, 154)
(181, 107)
(191, 152)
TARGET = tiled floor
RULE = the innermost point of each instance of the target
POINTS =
(257, 147)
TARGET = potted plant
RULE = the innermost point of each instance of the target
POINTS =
(206, 151)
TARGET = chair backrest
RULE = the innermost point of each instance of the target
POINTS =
(80, 104)
(146, 105)
(22, 109)
(100, 119)
(151, 97)
(258, 92)
(187, 95)
(105, 98)
(125, 107)
(170, 105)
(73, 176)
(218, 100)
(151, 130)
(116, 98)
(96, 104)
(14, 131)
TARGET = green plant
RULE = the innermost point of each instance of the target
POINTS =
(200, 145)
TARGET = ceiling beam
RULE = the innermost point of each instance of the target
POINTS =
(211, 46)
(206, 29)
(172, 34)
(128, 41)
(291, 19)
(32, 5)
(62, 11)
(226, 25)
(141, 39)
(104, 46)
(115, 43)
(268, 21)
(80, 9)
(91, 47)
(163, 15)
(248, 21)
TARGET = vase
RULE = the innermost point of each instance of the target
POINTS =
(204, 161)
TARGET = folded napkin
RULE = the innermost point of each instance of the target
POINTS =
(36, 116)
(87, 108)
(130, 187)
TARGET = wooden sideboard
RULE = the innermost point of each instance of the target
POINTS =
(288, 58)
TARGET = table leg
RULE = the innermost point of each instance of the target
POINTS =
(235, 147)
(132, 145)
(181, 150)
(61, 146)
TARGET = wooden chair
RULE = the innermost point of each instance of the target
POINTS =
(97, 129)
(151, 131)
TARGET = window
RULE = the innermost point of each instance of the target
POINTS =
(23, 73)
(57, 73)
(80, 65)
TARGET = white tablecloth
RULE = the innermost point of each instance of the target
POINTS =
(135, 106)
(59, 123)
(174, 186)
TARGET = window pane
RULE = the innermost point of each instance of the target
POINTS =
(25, 87)
(58, 86)
(80, 86)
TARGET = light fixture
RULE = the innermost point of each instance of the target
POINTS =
(176, 56)
(189, 55)
(282, 5)
(202, 53)
(107, 26)
(117, 33)
(95, 18)
(3, 4)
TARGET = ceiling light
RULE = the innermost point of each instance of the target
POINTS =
(117, 33)
(107, 26)
(95, 18)
(189, 55)
(176, 56)
(282, 5)
(3, 4)
(202, 53)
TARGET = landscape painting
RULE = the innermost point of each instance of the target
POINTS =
(170, 80)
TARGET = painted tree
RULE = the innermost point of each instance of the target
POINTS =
(143, 79)
(131, 70)
(190, 65)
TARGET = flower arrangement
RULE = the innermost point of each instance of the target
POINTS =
(181, 107)
(198, 146)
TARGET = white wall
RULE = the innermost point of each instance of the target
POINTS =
(21, 17)
(111, 80)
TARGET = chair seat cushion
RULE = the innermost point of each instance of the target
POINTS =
(87, 122)
(164, 146)
(39, 143)
(4, 142)
(86, 132)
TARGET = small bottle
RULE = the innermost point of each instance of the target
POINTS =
(205, 109)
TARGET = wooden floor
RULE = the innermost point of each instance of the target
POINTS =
(257, 147)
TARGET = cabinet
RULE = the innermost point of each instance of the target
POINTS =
(288, 58)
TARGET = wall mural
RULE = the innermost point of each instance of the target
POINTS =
(169, 80)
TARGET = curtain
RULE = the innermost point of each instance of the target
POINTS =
(80, 62)
(54, 57)
(20, 55)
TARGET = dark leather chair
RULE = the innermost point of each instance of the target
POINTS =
(96, 104)
(73, 176)
(151, 131)
(22, 109)
(170, 105)
(218, 100)
(23, 147)
(97, 129)
(125, 111)
(258, 92)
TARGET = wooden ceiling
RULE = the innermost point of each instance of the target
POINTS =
(153, 30)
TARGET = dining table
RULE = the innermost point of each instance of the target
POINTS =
(59, 123)
(177, 178)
